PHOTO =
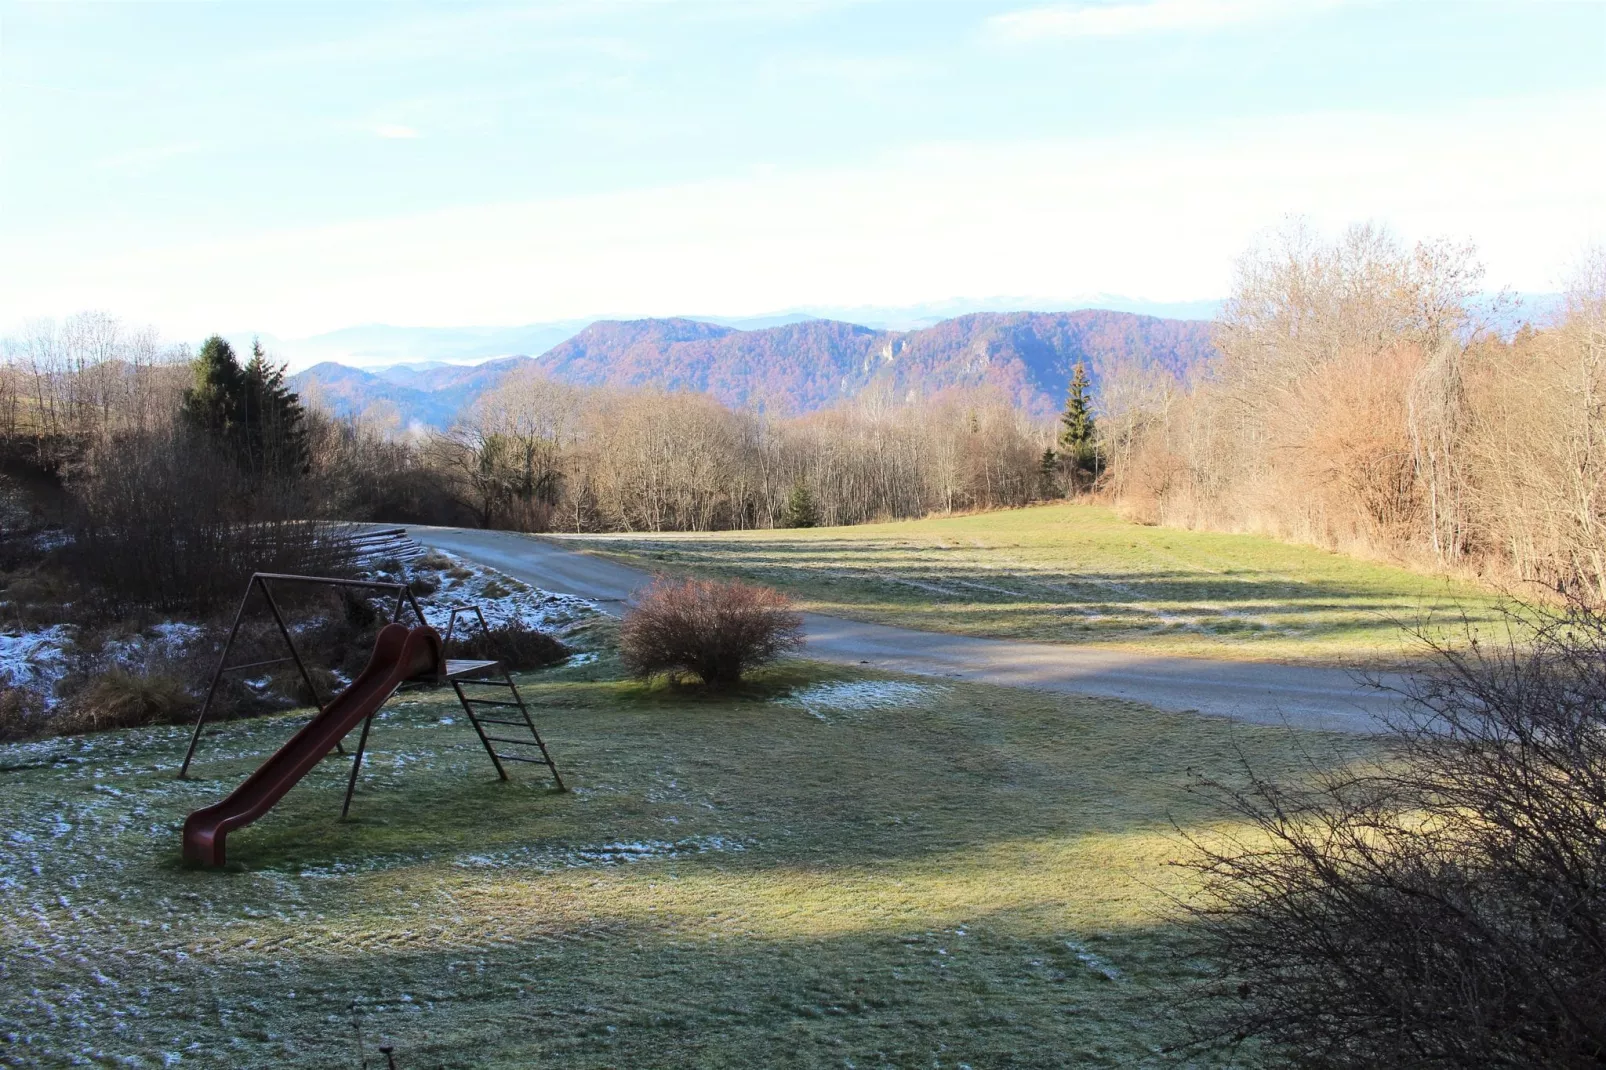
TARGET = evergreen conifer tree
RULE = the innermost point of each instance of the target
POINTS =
(212, 404)
(248, 411)
(801, 510)
(1077, 429)
(1048, 467)
(275, 423)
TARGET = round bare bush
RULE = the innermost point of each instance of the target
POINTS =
(704, 628)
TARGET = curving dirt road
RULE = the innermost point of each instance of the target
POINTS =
(1306, 697)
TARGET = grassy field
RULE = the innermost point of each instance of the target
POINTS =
(1081, 574)
(830, 869)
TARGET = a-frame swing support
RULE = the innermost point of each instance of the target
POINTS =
(457, 673)
(263, 581)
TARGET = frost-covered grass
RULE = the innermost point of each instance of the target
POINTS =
(950, 875)
(854, 696)
(1080, 574)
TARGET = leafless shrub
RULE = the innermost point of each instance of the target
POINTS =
(712, 630)
(1442, 907)
(167, 522)
(517, 646)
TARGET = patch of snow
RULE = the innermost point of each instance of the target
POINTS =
(857, 696)
(177, 632)
(509, 600)
(169, 639)
(581, 659)
(36, 658)
(51, 540)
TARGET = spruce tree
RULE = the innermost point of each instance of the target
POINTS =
(1077, 428)
(1048, 467)
(249, 412)
(275, 423)
(212, 405)
(801, 510)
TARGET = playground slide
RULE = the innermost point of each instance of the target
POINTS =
(400, 653)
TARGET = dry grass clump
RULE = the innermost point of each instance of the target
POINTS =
(515, 645)
(122, 699)
(22, 714)
(712, 630)
(288, 682)
(423, 584)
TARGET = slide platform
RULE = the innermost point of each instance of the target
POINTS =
(400, 654)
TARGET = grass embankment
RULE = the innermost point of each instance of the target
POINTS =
(1081, 574)
(795, 876)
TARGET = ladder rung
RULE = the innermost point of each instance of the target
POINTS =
(486, 682)
(532, 761)
(493, 720)
(515, 742)
(492, 702)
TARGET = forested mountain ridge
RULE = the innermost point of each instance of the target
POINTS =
(795, 367)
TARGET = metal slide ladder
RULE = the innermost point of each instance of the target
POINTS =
(502, 728)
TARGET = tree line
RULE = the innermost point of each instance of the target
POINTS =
(1365, 399)
(537, 454)
(175, 468)
(1362, 399)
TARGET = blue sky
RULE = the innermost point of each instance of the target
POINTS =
(292, 168)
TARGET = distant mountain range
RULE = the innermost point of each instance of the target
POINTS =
(789, 367)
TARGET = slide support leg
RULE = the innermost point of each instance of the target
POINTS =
(356, 764)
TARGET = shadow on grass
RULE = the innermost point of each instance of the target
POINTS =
(1008, 989)
(943, 766)
(964, 874)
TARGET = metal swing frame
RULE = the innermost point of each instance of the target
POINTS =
(263, 581)
(457, 673)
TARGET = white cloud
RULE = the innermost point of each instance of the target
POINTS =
(395, 130)
(1159, 215)
(1119, 19)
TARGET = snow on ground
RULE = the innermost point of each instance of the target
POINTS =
(35, 659)
(170, 639)
(857, 696)
(38, 659)
(51, 539)
(501, 599)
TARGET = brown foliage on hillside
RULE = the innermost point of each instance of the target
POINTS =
(1361, 403)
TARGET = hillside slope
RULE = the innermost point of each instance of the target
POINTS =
(795, 367)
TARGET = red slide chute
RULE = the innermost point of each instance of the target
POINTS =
(400, 654)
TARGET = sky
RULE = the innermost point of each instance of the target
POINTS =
(292, 168)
